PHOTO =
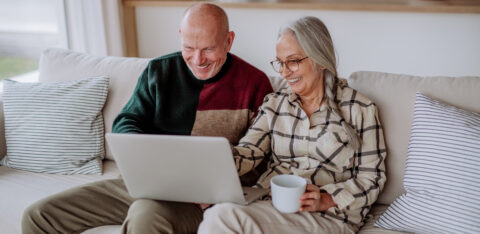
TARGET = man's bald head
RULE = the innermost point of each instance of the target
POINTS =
(206, 39)
(208, 13)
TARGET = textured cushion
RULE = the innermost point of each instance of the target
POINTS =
(3, 146)
(63, 65)
(55, 127)
(373, 215)
(19, 189)
(441, 176)
(394, 95)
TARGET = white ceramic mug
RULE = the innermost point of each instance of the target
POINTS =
(286, 192)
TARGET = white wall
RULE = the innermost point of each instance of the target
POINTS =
(411, 43)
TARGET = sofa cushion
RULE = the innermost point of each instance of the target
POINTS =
(62, 65)
(374, 215)
(19, 189)
(3, 145)
(441, 176)
(394, 95)
(55, 127)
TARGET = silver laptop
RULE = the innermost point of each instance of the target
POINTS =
(180, 168)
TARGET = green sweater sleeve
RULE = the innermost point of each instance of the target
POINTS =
(136, 115)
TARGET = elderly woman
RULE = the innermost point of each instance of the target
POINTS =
(319, 129)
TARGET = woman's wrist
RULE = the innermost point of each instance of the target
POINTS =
(326, 201)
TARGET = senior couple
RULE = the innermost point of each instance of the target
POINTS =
(317, 128)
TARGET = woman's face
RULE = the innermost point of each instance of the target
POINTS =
(307, 79)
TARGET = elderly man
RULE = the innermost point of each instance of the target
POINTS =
(202, 90)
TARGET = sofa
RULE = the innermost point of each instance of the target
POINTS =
(394, 95)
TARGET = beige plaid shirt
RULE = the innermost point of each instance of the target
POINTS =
(317, 149)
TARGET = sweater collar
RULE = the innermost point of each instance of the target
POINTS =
(219, 75)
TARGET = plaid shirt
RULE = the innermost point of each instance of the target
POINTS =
(317, 149)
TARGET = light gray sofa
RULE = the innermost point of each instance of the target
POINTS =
(393, 94)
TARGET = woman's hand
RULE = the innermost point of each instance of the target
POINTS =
(312, 200)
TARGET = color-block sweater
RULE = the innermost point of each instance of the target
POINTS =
(169, 99)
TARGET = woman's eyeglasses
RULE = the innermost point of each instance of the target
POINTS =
(291, 65)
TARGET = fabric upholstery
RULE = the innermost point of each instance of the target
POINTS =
(62, 65)
(3, 145)
(19, 189)
(374, 215)
(394, 95)
(441, 175)
(55, 127)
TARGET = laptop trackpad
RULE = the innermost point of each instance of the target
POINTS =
(253, 194)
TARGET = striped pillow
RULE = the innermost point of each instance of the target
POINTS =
(442, 176)
(55, 127)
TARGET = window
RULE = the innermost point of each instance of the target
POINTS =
(27, 27)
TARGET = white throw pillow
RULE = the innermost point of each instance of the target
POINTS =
(55, 127)
(442, 179)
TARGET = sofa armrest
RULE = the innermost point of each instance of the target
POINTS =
(3, 145)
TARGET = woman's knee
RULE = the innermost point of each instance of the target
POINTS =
(221, 210)
(224, 218)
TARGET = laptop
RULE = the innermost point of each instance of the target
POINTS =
(180, 168)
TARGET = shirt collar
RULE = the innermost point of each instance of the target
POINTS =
(292, 97)
(319, 117)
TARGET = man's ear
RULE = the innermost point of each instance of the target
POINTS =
(230, 38)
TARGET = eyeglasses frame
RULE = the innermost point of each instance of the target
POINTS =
(284, 64)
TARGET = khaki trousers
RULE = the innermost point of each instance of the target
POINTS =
(108, 203)
(262, 217)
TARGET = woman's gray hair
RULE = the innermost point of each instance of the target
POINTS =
(314, 38)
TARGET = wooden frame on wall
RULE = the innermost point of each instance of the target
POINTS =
(425, 6)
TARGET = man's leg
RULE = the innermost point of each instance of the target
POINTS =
(262, 217)
(150, 216)
(80, 208)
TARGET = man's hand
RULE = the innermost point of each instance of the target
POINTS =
(312, 200)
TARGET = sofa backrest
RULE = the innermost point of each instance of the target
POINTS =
(3, 145)
(63, 65)
(394, 96)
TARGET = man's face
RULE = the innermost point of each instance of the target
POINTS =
(205, 48)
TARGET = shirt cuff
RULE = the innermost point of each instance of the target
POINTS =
(342, 198)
